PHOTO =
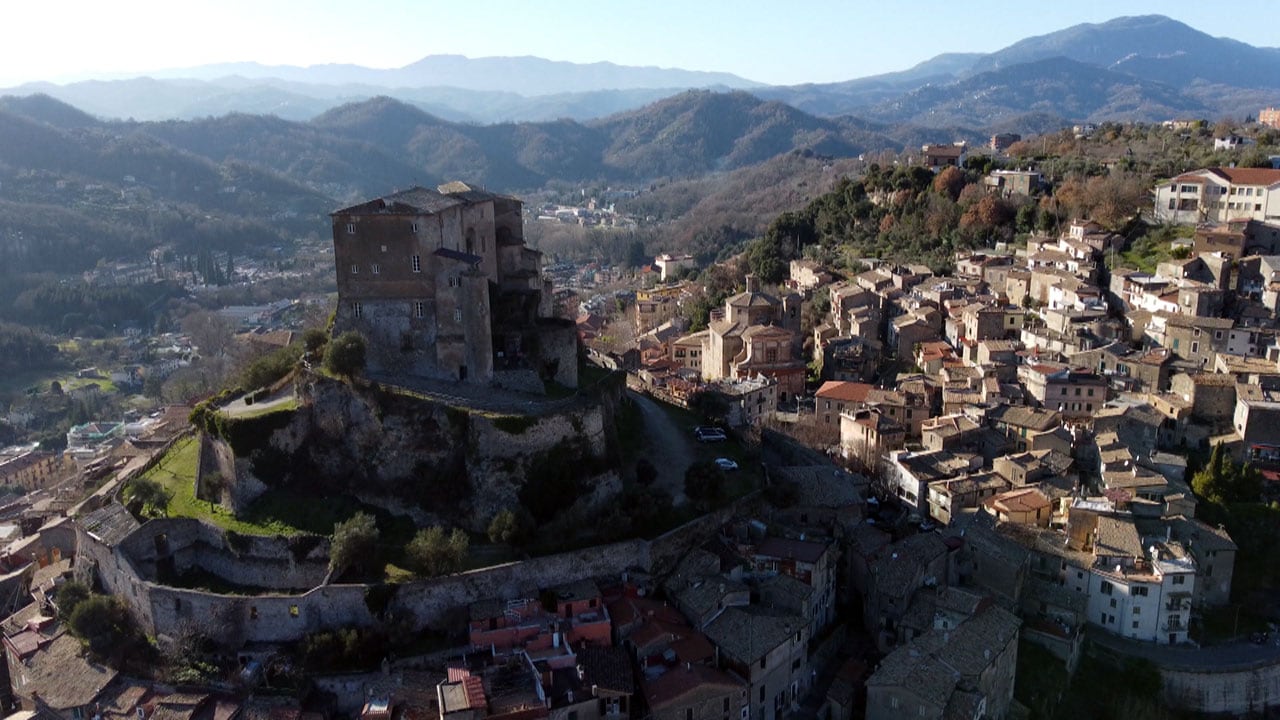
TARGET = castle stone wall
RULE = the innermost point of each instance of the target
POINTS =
(1236, 692)
(437, 603)
(271, 563)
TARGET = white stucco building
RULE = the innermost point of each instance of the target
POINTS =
(1220, 194)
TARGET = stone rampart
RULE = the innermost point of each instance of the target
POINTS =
(179, 545)
(1236, 679)
(132, 570)
(1237, 692)
(441, 603)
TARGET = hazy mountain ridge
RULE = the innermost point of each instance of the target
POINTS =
(525, 74)
(1212, 75)
(1059, 87)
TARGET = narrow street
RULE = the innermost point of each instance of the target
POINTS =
(668, 446)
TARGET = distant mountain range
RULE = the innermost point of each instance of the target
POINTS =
(1132, 68)
(77, 189)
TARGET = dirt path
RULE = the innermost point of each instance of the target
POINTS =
(670, 448)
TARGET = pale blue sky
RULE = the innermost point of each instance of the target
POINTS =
(772, 41)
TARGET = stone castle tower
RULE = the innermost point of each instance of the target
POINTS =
(441, 285)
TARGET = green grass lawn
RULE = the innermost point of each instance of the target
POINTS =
(279, 511)
(39, 381)
(288, 406)
(283, 511)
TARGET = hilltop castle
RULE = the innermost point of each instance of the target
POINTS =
(441, 285)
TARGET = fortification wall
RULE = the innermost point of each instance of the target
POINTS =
(438, 603)
(1236, 679)
(1237, 692)
(273, 563)
(441, 603)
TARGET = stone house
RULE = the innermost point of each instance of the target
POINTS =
(909, 409)
(1128, 369)
(812, 563)
(686, 352)
(948, 499)
(1023, 506)
(1021, 422)
(907, 331)
(1214, 553)
(441, 285)
(949, 432)
(897, 572)
(908, 474)
(695, 691)
(51, 675)
(769, 651)
(936, 157)
(807, 275)
(1195, 339)
(965, 672)
(1212, 395)
(1257, 421)
(867, 435)
(833, 398)
(749, 400)
(1072, 392)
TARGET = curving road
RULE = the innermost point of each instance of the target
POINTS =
(670, 447)
(1239, 654)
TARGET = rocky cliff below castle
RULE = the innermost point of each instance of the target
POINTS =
(437, 463)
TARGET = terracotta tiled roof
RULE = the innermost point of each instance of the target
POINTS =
(670, 688)
(846, 391)
(1248, 176)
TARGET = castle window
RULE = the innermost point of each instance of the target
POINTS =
(355, 269)
(413, 228)
(457, 315)
(384, 248)
(357, 309)
(417, 263)
(351, 229)
(419, 308)
(375, 268)
(253, 613)
(293, 611)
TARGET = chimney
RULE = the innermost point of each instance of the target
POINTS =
(751, 283)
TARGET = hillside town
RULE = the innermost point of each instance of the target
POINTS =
(873, 491)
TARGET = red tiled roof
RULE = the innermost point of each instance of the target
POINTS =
(801, 550)
(846, 391)
(1248, 176)
(674, 684)
(695, 648)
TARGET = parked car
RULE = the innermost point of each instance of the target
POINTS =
(726, 464)
(709, 434)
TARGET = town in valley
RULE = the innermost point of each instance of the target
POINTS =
(970, 420)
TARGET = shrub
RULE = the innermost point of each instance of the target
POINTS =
(105, 626)
(354, 545)
(432, 553)
(510, 528)
(147, 494)
(346, 354)
(70, 595)
(269, 368)
(313, 340)
(704, 484)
